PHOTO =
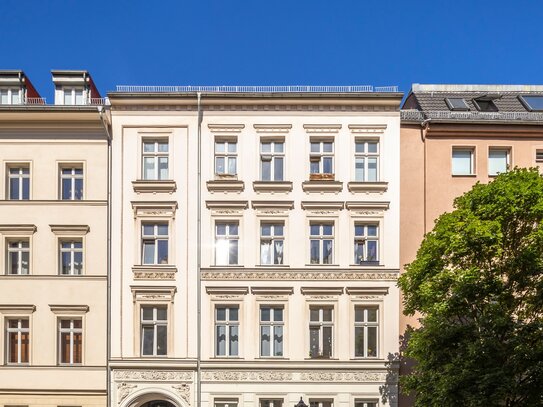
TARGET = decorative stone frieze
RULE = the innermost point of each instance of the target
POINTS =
(367, 129)
(153, 375)
(152, 272)
(297, 275)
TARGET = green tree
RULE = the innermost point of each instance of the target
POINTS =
(477, 284)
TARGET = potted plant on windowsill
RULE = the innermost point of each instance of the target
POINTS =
(320, 176)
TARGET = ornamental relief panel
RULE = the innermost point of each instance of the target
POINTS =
(278, 376)
(153, 375)
(293, 275)
(154, 275)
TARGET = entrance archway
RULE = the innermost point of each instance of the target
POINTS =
(158, 403)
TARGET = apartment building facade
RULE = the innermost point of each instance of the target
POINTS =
(53, 238)
(453, 136)
(255, 247)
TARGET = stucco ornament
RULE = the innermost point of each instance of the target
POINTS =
(123, 391)
(152, 375)
(184, 391)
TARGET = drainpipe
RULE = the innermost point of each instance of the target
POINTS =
(425, 124)
(106, 120)
(199, 258)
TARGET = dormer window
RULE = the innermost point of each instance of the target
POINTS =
(532, 103)
(457, 104)
(10, 96)
(73, 96)
(485, 104)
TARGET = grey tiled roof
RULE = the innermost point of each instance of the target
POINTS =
(428, 102)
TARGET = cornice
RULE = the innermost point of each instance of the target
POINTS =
(299, 275)
(70, 230)
(226, 128)
(272, 129)
(18, 229)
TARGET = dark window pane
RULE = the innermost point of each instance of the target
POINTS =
(233, 314)
(278, 169)
(265, 340)
(233, 252)
(162, 251)
(162, 340)
(265, 314)
(78, 347)
(234, 340)
(359, 341)
(327, 341)
(14, 188)
(221, 314)
(278, 341)
(147, 345)
(221, 340)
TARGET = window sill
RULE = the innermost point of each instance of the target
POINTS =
(154, 272)
(367, 359)
(367, 264)
(226, 266)
(271, 358)
(225, 185)
(154, 186)
(321, 265)
(464, 175)
(272, 186)
(322, 186)
(226, 358)
(321, 359)
(367, 187)
(273, 265)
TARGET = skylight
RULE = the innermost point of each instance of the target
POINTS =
(485, 104)
(532, 103)
(457, 104)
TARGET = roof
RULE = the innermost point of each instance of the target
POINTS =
(429, 102)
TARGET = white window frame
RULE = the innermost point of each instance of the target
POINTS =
(365, 325)
(155, 237)
(72, 91)
(507, 151)
(225, 402)
(71, 330)
(366, 155)
(471, 151)
(20, 176)
(363, 240)
(321, 238)
(11, 92)
(72, 176)
(321, 324)
(321, 402)
(19, 249)
(272, 239)
(272, 324)
(321, 155)
(226, 156)
(365, 402)
(227, 323)
(19, 331)
(223, 242)
(156, 155)
(272, 156)
(155, 323)
(72, 250)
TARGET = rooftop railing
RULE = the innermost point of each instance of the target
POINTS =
(35, 101)
(416, 115)
(256, 89)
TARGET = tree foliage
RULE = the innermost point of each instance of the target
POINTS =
(477, 283)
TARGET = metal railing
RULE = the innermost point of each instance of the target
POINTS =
(256, 89)
(97, 101)
(416, 115)
(35, 101)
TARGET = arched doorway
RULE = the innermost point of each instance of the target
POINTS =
(158, 403)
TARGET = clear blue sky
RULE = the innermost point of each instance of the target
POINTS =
(274, 42)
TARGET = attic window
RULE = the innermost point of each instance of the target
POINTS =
(485, 104)
(457, 104)
(532, 103)
(539, 156)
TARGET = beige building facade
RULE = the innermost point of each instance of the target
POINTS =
(255, 247)
(53, 239)
(453, 136)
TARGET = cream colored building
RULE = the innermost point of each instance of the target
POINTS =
(53, 243)
(255, 246)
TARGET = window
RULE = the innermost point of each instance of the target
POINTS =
(498, 160)
(366, 160)
(154, 331)
(532, 103)
(10, 96)
(366, 243)
(457, 104)
(17, 341)
(271, 160)
(321, 158)
(485, 104)
(226, 403)
(226, 243)
(539, 156)
(19, 182)
(365, 403)
(271, 331)
(366, 327)
(155, 159)
(321, 403)
(226, 330)
(71, 183)
(71, 257)
(271, 243)
(462, 161)
(271, 402)
(18, 254)
(320, 332)
(70, 341)
(73, 96)
(226, 157)
(321, 243)
(155, 243)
